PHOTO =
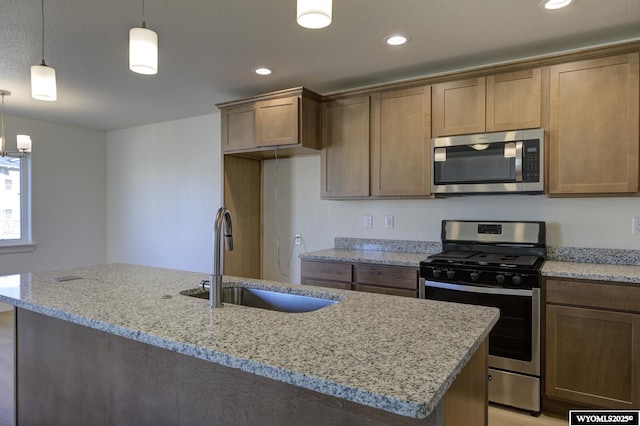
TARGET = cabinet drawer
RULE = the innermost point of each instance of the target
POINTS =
(386, 290)
(327, 270)
(594, 294)
(388, 276)
(330, 284)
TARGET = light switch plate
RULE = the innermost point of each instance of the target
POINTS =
(388, 221)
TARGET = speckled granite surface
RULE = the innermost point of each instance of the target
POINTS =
(563, 262)
(594, 255)
(402, 246)
(366, 256)
(393, 353)
(591, 271)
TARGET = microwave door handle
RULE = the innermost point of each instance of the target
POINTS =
(518, 160)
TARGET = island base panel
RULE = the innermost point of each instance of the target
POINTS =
(72, 374)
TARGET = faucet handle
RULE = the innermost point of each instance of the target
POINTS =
(205, 284)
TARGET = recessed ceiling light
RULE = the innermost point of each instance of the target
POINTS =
(263, 71)
(396, 40)
(555, 4)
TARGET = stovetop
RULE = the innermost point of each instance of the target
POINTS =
(488, 253)
(485, 259)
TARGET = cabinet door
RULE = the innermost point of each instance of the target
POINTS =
(593, 126)
(401, 138)
(327, 274)
(345, 148)
(238, 128)
(592, 356)
(277, 122)
(459, 107)
(513, 100)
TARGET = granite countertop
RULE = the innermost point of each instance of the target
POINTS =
(366, 256)
(565, 262)
(399, 355)
(591, 271)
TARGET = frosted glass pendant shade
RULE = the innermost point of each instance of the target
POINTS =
(43, 83)
(24, 143)
(143, 51)
(314, 14)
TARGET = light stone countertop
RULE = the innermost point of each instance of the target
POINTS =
(366, 256)
(551, 268)
(393, 353)
(591, 271)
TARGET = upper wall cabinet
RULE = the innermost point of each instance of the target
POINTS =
(288, 119)
(400, 161)
(345, 148)
(508, 101)
(458, 107)
(593, 127)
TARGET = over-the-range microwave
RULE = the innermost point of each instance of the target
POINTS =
(488, 163)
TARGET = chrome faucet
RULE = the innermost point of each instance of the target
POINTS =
(223, 220)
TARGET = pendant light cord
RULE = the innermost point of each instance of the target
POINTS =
(2, 153)
(42, 9)
(144, 21)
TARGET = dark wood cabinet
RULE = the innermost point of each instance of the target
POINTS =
(345, 148)
(372, 278)
(593, 127)
(592, 355)
(288, 119)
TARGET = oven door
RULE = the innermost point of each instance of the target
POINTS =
(514, 342)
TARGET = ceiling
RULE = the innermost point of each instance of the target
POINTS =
(208, 49)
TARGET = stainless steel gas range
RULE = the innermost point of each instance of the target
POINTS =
(497, 264)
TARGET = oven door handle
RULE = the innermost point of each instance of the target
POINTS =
(479, 289)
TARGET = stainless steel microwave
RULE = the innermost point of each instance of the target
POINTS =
(489, 163)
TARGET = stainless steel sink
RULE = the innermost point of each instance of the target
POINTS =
(265, 299)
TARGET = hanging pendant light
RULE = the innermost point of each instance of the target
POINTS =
(23, 141)
(314, 14)
(43, 77)
(143, 49)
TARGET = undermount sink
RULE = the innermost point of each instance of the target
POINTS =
(265, 299)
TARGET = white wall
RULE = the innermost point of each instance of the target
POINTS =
(578, 222)
(164, 185)
(68, 175)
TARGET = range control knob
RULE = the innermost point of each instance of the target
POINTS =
(517, 279)
(500, 278)
(451, 273)
(475, 276)
(436, 273)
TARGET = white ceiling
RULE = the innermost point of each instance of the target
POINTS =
(208, 49)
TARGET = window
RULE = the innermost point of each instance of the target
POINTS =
(15, 205)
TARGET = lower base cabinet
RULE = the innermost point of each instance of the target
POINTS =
(592, 345)
(372, 278)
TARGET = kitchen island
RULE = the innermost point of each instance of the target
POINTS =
(119, 344)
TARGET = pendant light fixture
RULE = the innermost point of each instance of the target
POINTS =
(23, 141)
(43, 77)
(314, 14)
(143, 49)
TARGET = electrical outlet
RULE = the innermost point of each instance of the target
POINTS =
(297, 239)
(388, 221)
(368, 221)
(635, 225)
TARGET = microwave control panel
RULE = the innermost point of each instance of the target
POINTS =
(531, 161)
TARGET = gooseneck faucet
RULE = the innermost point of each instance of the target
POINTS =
(222, 224)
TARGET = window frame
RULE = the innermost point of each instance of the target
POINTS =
(25, 243)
